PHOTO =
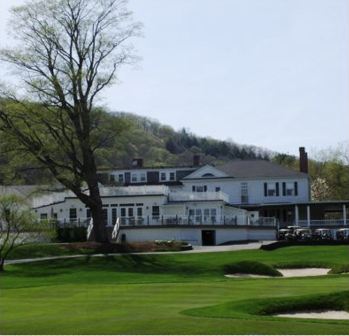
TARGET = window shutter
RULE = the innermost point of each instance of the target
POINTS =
(205, 188)
(283, 188)
(296, 188)
(277, 188)
(265, 189)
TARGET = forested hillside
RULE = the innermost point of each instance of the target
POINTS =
(131, 136)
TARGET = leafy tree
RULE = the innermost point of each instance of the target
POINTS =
(68, 52)
(18, 226)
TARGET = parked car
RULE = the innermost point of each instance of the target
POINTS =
(303, 234)
(323, 234)
(342, 234)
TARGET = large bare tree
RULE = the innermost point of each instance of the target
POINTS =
(68, 52)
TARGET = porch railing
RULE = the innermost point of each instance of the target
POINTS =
(323, 222)
(173, 220)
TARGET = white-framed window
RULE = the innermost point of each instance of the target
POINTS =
(143, 177)
(163, 176)
(271, 189)
(121, 178)
(172, 176)
(200, 188)
(289, 189)
(134, 177)
(218, 189)
(244, 192)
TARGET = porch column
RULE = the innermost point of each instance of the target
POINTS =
(308, 215)
(344, 215)
(296, 215)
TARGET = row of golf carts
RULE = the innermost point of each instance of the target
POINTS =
(301, 233)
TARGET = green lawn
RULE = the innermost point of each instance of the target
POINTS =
(168, 294)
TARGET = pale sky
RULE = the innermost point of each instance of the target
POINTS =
(270, 73)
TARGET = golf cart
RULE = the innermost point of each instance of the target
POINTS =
(303, 234)
(342, 234)
(323, 234)
(284, 233)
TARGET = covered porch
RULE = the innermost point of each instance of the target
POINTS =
(332, 214)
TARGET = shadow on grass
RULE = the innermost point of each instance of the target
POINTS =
(128, 263)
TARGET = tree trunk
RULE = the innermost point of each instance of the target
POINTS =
(2, 261)
(99, 227)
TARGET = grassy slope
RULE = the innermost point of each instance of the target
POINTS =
(148, 294)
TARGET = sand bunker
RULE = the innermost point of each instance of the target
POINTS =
(329, 314)
(243, 275)
(286, 273)
(303, 272)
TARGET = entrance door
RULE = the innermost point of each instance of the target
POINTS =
(208, 237)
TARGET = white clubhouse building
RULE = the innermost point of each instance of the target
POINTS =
(200, 204)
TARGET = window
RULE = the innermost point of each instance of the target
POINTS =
(134, 177)
(121, 178)
(172, 176)
(72, 214)
(163, 176)
(218, 189)
(155, 211)
(143, 177)
(123, 212)
(112, 178)
(198, 214)
(139, 212)
(130, 212)
(88, 213)
(201, 188)
(271, 189)
(43, 216)
(244, 192)
(289, 189)
(113, 215)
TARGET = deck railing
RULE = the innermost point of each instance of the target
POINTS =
(173, 220)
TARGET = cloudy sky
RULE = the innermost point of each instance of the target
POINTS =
(272, 73)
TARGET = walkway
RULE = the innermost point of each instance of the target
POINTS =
(196, 249)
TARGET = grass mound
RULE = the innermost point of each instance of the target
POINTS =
(262, 308)
(251, 267)
(339, 269)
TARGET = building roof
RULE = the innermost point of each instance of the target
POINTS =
(257, 168)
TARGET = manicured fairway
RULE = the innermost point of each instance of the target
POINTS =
(163, 294)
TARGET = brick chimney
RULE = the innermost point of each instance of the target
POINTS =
(196, 160)
(137, 163)
(303, 160)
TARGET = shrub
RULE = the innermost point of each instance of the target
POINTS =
(71, 234)
(251, 267)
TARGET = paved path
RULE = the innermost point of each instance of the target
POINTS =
(196, 249)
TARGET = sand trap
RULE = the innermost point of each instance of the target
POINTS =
(329, 314)
(286, 273)
(243, 275)
(303, 272)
